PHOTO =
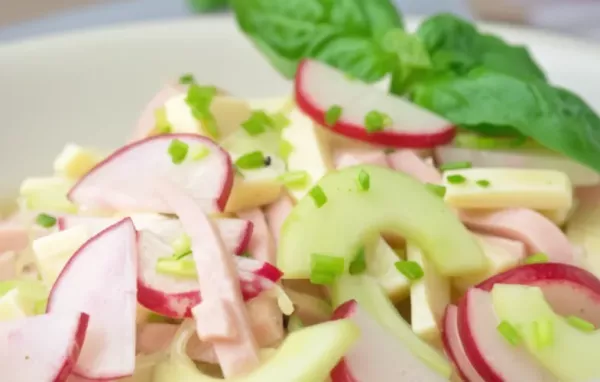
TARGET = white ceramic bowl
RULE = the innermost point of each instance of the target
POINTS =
(88, 87)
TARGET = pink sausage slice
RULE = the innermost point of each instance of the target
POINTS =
(535, 230)
(267, 322)
(217, 275)
(411, 164)
(276, 213)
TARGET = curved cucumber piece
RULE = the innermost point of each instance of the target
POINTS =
(306, 355)
(394, 203)
(572, 355)
(369, 295)
(33, 293)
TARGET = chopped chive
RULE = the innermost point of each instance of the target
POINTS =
(285, 149)
(199, 99)
(536, 258)
(295, 179)
(279, 121)
(321, 278)
(187, 79)
(257, 123)
(455, 166)
(581, 324)
(509, 333)
(364, 180)
(250, 161)
(45, 220)
(436, 189)
(456, 179)
(181, 268)
(376, 121)
(199, 152)
(483, 183)
(326, 265)
(389, 150)
(318, 196)
(410, 269)
(182, 246)
(178, 150)
(543, 332)
(246, 254)
(359, 263)
(332, 115)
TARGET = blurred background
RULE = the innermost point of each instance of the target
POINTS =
(27, 18)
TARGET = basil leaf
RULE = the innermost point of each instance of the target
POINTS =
(555, 118)
(413, 62)
(456, 45)
(342, 33)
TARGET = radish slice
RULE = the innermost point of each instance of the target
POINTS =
(147, 121)
(454, 348)
(124, 180)
(535, 230)
(276, 213)
(377, 356)
(175, 296)
(41, 348)
(579, 174)
(100, 280)
(319, 87)
(494, 359)
(218, 280)
(236, 233)
(568, 289)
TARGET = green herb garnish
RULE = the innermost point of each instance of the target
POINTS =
(581, 324)
(325, 269)
(359, 263)
(187, 79)
(178, 150)
(332, 115)
(483, 183)
(536, 258)
(251, 161)
(258, 123)
(376, 121)
(318, 196)
(45, 220)
(410, 269)
(509, 333)
(456, 179)
(295, 179)
(364, 180)
(543, 332)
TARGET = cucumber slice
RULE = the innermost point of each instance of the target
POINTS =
(32, 293)
(306, 355)
(572, 355)
(369, 295)
(394, 203)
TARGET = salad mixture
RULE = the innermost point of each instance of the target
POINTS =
(443, 228)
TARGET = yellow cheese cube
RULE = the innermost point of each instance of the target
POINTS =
(504, 188)
(75, 161)
(428, 298)
(311, 152)
(47, 194)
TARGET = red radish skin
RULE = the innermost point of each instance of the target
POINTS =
(311, 84)
(100, 280)
(31, 354)
(218, 279)
(454, 348)
(174, 297)
(377, 356)
(494, 359)
(147, 122)
(570, 290)
(124, 180)
(236, 233)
